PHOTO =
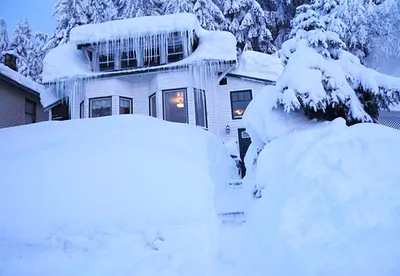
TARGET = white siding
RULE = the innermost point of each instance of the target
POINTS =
(224, 105)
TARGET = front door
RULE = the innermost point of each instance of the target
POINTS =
(244, 143)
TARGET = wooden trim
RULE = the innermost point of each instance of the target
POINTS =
(185, 101)
(237, 91)
(268, 82)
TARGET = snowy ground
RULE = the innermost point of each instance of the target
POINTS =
(93, 197)
(126, 195)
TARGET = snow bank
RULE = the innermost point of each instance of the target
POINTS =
(120, 195)
(139, 26)
(331, 203)
(17, 77)
(258, 65)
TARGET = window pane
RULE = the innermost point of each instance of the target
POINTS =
(175, 108)
(100, 107)
(200, 107)
(239, 101)
(152, 57)
(82, 110)
(30, 111)
(106, 62)
(125, 106)
(153, 105)
(128, 59)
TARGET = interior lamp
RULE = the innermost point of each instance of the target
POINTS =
(239, 112)
(180, 104)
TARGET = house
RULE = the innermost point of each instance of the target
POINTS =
(167, 67)
(19, 97)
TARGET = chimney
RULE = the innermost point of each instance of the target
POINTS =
(10, 61)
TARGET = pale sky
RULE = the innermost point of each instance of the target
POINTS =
(38, 13)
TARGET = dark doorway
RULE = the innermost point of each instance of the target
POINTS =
(244, 143)
(60, 112)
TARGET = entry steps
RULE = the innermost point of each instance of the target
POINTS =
(231, 202)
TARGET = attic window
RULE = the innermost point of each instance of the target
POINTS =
(129, 59)
(152, 57)
(106, 61)
(175, 47)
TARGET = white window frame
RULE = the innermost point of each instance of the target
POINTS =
(130, 105)
(95, 99)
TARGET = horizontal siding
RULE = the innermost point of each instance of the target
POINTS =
(12, 106)
(224, 105)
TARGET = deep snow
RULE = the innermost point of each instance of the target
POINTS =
(120, 195)
(330, 194)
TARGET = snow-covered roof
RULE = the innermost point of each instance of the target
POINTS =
(66, 61)
(258, 65)
(20, 79)
(132, 27)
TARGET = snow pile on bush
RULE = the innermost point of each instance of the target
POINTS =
(122, 195)
(330, 194)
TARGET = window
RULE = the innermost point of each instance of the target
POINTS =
(100, 107)
(175, 106)
(200, 107)
(30, 111)
(125, 105)
(82, 110)
(129, 59)
(175, 48)
(224, 81)
(153, 105)
(152, 57)
(239, 102)
(106, 61)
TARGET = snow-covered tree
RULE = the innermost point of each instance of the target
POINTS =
(322, 78)
(177, 6)
(36, 55)
(69, 13)
(3, 37)
(247, 21)
(101, 11)
(137, 8)
(209, 15)
(20, 45)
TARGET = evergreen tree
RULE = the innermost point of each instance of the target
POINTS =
(102, 11)
(3, 37)
(36, 55)
(177, 6)
(209, 15)
(247, 21)
(323, 79)
(70, 13)
(137, 8)
(21, 45)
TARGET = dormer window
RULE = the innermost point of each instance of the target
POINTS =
(175, 48)
(152, 57)
(106, 61)
(129, 59)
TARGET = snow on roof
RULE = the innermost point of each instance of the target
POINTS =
(66, 61)
(22, 80)
(258, 65)
(92, 33)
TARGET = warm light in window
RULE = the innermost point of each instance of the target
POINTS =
(180, 104)
(239, 112)
(178, 100)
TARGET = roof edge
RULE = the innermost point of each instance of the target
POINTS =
(233, 75)
(17, 84)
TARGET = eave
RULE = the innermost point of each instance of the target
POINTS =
(19, 85)
(144, 71)
(243, 77)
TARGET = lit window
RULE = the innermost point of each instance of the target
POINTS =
(175, 106)
(153, 105)
(239, 102)
(30, 111)
(200, 107)
(128, 59)
(175, 47)
(125, 106)
(100, 107)
(106, 61)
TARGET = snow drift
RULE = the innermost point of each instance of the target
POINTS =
(330, 194)
(121, 195)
